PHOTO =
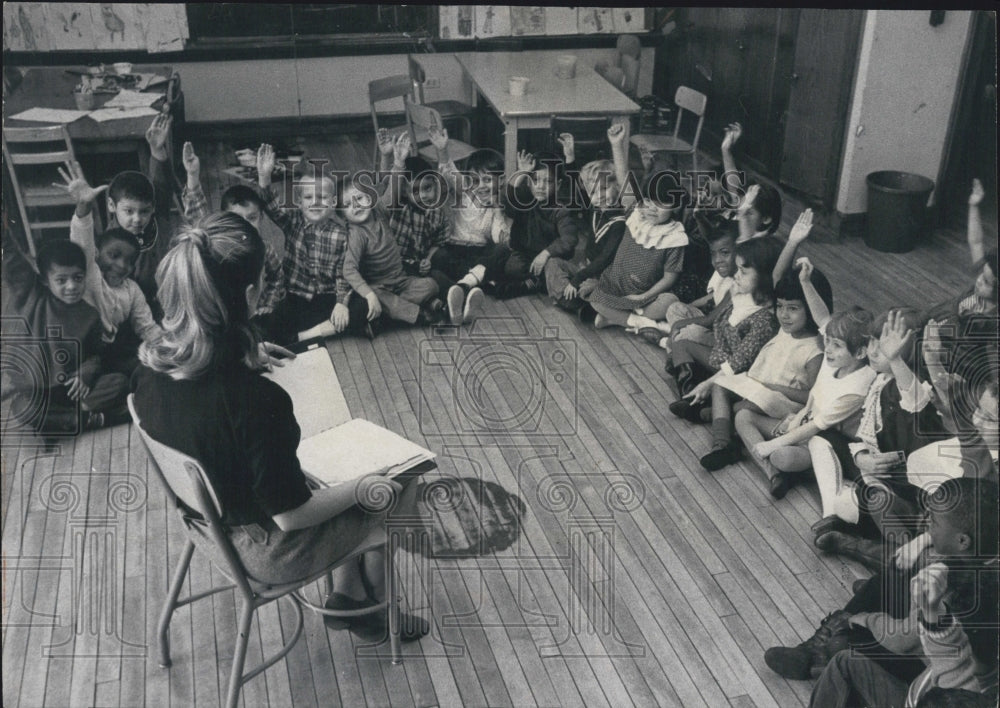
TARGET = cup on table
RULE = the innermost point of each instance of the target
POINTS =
(122, 68)
(519, 85)
(566, 66)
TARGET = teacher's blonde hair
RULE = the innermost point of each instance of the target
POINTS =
(202, 288)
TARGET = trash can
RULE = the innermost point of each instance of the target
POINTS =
(897, 210)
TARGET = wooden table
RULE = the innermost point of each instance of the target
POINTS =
(587, 94)
(52, 87)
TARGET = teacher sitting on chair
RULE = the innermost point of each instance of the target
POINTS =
(199, 391)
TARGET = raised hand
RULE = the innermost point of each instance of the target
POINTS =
(385, 141)
(525, 161)
(733, 133)
(896, 337)
(616, 133)
(265, 164)
(439, 137)
(192, 164)
(976, 197)
(568, 146)
(748, 199)
(76, 184)
(803, 225)
(805, 268)
(401, 148)
(157, 134)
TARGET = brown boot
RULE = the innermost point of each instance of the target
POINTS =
(808, 658)
(873, 555)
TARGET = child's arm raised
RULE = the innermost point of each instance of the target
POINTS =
(525, 166)
(617, 135)
(975, 226)
(817, 308)
(159, 163)
(733, 133)
(284, 218)
(193, 197)
(81, 226)
(798, 234)
(394, 163)
(439, 139)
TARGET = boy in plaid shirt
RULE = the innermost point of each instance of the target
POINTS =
(244, 201)
(315, 243)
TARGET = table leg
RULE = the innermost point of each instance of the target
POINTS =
(510, 147)
(144, 156)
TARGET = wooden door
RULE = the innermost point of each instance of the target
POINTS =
(820, 89)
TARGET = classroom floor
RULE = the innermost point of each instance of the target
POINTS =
(633, 576)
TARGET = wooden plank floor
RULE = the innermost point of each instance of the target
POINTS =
(635, 577)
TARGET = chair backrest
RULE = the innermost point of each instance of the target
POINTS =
(687, 99)
(183, 478)
(590, 135)
(417, 76)
(421, 119)
(387, 89)
(629, 46)
(38, 146)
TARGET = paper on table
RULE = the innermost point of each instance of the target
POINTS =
(147, 80)
(133, 99)
(106, 114)
(50, 115)
(317, 399)
(357, 448)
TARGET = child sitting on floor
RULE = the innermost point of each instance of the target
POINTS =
(478, 223)
(778, 382)
(315, 242)
(67, 392)
(242, 200)
(897, 418)
(745, 322)
(126, 318)
(834, 400)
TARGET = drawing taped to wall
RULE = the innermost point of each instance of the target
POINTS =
(527, 20)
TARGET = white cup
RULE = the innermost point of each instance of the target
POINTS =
(519, 85)
(566, 66)
(123, 68)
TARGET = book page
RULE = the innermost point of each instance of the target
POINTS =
(317, 399)
(358, 448)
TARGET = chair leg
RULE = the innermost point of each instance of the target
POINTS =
(163, 628)
(392, 598)
(240, 654)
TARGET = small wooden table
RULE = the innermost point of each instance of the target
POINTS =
(587, 94)
(52, 87)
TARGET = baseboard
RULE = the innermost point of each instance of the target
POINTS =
(848, 225)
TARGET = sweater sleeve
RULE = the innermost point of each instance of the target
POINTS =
(81, 232)
(140, 316)
(567, 232)
(274, 281)
(605, 255)
(19, 275)
(284, 218)
(353, 256)
(951, 664)
(195, 203)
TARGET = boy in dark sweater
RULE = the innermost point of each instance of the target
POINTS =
(52, 378)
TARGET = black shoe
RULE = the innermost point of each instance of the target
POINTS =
(722, 457)
(374, 628)
(832, 523)
(685, 378)
(873, 555)
(683, 408)
(342, 602)
(781, 483)
(809, 657)
(587, 314)
(857, 585)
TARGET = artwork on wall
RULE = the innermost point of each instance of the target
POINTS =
(560, 20)
(527, 20)
(592, 20)
(456, 21)
(44, 26)
(629, 19)
(492, 21)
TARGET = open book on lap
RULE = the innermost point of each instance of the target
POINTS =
(334, 447)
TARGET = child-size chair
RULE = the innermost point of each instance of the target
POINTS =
(449, 109)
(387, 89)
(623, 71)
(33, 156)
(184, 480)
(687, 99)
(421, 120)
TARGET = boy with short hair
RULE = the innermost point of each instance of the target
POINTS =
(315, 243)
(246, 202)
(67, 332)
(126, 318)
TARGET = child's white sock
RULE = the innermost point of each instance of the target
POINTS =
(323, 329)
(474, 277)
(836, 494)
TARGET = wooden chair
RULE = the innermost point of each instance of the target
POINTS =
(388, 89)
(590, 137)
(32, 156)
(687, 99)
(184, 480)
(449, 109)
(421, 120)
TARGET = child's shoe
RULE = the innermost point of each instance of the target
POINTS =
(456, 301)
(93, 421)
(780, 483)
(684, 408)
(587, 314)
(722, 457)
(811, 656)
(473, 303)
